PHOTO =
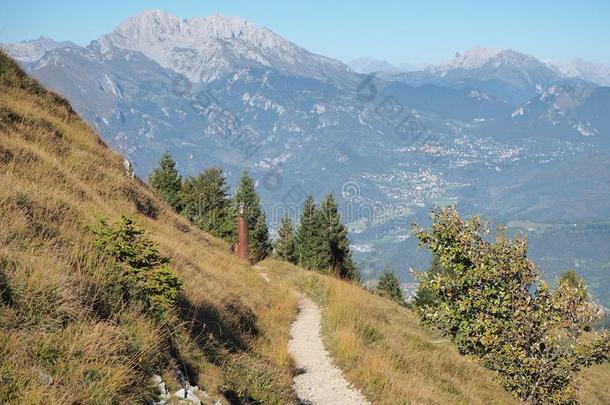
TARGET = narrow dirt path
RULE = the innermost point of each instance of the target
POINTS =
(320, 383)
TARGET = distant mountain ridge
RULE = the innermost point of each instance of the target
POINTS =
(504, 73)
(371, 65)
(578, 68)
(204, 49)
(485, 125)
(33, 50)
(477, 57)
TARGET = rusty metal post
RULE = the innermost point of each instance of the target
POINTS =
(241, 250)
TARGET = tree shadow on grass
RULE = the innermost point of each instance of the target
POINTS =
(228, 327)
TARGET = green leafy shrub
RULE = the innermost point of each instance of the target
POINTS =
(493, 303)
(144, 274)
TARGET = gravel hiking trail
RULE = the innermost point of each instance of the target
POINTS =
(319, 382)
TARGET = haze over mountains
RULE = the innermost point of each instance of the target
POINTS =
(498, 132)
(476, 57)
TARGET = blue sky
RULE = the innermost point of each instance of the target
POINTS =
(399, 31)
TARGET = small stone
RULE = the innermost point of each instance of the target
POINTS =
(189, 396)
(44, 378)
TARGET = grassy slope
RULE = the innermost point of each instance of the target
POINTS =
(383, 350)
(389, 357)
(231, 328)
(56, 176)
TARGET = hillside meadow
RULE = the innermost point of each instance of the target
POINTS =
(64, 340)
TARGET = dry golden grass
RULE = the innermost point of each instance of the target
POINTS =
(389, 357)
(594, 385)
(58, 342)
(384, 352)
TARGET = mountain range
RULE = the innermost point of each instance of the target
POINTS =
(497, 132)
(476, 57)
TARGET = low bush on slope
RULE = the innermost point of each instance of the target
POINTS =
(64, 337)
(140, 272)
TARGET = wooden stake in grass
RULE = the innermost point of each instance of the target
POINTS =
(241, 250)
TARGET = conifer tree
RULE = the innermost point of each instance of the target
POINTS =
(284, 245)
(166, 181)
(258, 233)
(311, 243)
(339, 255)
(389, 286)
(205, 202)
(259, 243)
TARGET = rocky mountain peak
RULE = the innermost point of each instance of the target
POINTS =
(470, 59)
(585, 70)
(206, 48)
(477, 58)
(157, 26)
(32, 50)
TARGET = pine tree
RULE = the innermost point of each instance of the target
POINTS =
(258, 233)
(311, 242)
(284, 245)
(143, 273)
(339, 255)
(259, 243)
(389, 286)
(166, 181)
(205, 202)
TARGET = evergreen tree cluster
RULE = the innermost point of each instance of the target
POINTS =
(320, 241)
(205, 200)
